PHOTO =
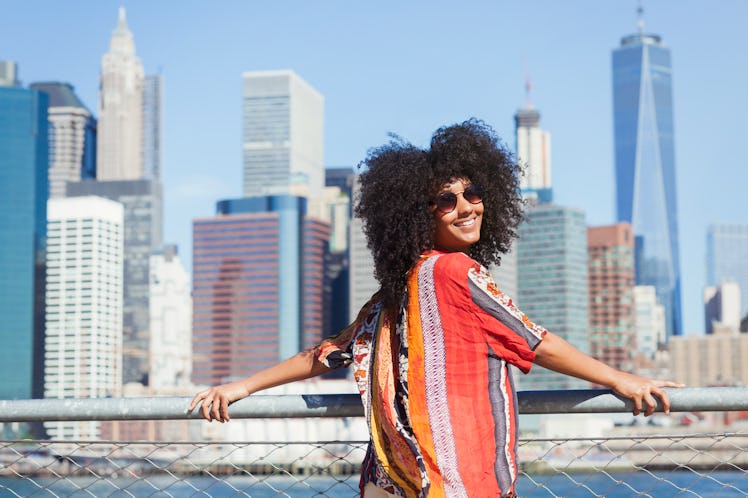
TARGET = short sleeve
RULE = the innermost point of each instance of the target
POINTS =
(507, 328)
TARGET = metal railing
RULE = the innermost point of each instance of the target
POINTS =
(647, 461)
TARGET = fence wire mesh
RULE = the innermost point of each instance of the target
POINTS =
(705, 464)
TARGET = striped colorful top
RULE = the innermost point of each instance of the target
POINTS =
(437, 393)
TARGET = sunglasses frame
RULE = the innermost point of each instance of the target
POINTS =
(474, 196)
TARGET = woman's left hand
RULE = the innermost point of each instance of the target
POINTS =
(642, 392)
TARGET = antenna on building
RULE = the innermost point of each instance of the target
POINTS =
(640, 18)
(528, 83)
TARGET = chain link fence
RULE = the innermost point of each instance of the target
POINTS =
(159, 461)
(698, 464)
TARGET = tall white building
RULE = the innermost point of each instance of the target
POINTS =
(650, 320)
(722, 307)
(8, 73)
(83, 343)
(362, 283)
(72, 137)
(533, 153)
(171, 321)
(120, 131)
(152, 107)
(283, 138)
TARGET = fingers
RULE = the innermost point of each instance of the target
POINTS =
(205, 408)
(650, 402)
(668, 383)
(214, 410)
(663, 398)
(224, 410)
(194, 401)
(206, 401)
(637, 405)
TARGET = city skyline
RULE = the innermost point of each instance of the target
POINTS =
(410, 82)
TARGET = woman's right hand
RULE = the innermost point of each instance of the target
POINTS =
(216, 400)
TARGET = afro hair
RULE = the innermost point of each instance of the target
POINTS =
(400, 181)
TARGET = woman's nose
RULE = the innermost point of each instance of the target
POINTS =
(463, 206)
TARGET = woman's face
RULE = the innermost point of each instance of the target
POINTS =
(459, 228)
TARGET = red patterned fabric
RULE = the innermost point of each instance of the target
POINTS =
(437, 393)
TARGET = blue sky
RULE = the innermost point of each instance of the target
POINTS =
(409, 67)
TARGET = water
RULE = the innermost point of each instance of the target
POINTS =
(609, 485)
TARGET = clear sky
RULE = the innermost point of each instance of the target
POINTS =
(408, 67)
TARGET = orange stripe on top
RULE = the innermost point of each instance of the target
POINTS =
(416, 388)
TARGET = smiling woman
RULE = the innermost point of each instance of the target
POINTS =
(430, 351)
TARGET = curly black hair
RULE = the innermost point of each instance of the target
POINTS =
(400, 181)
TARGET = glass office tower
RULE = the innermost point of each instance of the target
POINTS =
(24, 150)
(282, 137)
(726, 256)
(72, 137)
(645, 165)
(258, 284)
(553, 283)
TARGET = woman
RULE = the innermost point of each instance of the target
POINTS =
(431, 349)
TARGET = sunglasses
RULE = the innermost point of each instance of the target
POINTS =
(446, 202)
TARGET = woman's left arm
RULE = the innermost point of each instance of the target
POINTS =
(558, 355)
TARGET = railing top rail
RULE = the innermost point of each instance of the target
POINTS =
(348, 405)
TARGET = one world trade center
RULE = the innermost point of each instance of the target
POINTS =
(645, 165)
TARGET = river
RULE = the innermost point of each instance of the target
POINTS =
(610, 485)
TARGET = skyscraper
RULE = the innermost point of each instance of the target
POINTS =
(612, 309)
(282, 135)
(363, 284)
(84, 305)
(120, 132)
(645, 165)
(727, 257)
(650, 320)
(152, 95)
(257, 285)
(171, 321)
(722, 306)
(553, 282)
(8, 70)
(72, 137)
(142, 201)
(23, 233)
(533, 153)
(339, 181)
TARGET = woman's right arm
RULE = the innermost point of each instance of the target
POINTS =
(216, 400)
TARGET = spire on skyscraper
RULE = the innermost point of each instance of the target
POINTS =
(122, 40)
(640, 18)
(120, 130)
(528, 84)
(533, 150)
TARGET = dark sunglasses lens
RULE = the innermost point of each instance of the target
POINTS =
(446, 202)
(473, 194)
